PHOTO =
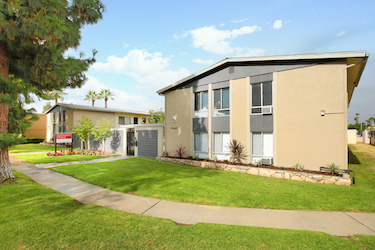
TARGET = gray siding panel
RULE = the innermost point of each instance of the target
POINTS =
(261, 123)
(220, 124)
(220, 85)
(261, 78)
(148, 143)
(200, 88)
(200, 124)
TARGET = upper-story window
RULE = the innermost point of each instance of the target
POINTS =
(221, 102)
(124, 120)
(201, 104)
(135, 120)
(261, 101)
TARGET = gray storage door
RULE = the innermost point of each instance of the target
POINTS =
(148, 143)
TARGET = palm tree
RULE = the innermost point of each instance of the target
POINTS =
(57, 94)
(106, 94)
(356, 118)
(92, 96)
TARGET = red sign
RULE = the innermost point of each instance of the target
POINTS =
(64, 137)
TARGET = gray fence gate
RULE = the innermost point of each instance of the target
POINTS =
(148, 143)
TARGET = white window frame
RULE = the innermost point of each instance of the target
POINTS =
(256, 157)
(126, 118)
(201, 112)
(222, 155)
(201, 153)
(261, 98)
(216, 111)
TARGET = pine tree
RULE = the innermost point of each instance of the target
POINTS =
(34, 35)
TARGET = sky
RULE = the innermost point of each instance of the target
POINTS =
(144, 46)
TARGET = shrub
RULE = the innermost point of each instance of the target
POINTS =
(207, 159)
(298, 166)
(190, 157)
(196, 156)
(180, 151)
(237, 151)
(215, 158)
(334, 168)
(258, 163)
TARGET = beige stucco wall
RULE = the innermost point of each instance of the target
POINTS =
(302, 133)
(94, 116)
(240, 112)
(37, 128)
(178, 106)
(140, 117)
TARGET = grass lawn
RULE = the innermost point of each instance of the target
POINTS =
(25, 148)
(43, 158)
(35, 217)
(150, 178)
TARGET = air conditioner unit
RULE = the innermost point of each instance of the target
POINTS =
(267, 110)
(267, 161)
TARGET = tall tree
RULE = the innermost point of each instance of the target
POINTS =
(102, 131)
(34, 35)
(157, 116)
(83, 129)
(47, 107)
(106, 94)
(92, 96)
(56, 94)
(356, 118)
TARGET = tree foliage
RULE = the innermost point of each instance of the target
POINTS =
(102, 131)
(47, 107)
(34, 36)
(83, 129)
(56, 94)
(157, 116)
(106, 94)
(92, 96)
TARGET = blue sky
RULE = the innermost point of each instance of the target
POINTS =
(146, 45)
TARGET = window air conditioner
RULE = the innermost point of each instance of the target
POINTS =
(267, 110)
(267, 161)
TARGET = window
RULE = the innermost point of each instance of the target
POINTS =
(221, 141)
(262, 146)
(221, 102)
(261, 96)
(124, 120)
(135, 120)
(201, 144)
(201, 104)
(143, 120)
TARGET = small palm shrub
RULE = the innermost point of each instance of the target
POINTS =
(258, 163)
(196, 156)
(180, 151)
(237, 151)
(207, 159)
(215, 158)
(334, 168)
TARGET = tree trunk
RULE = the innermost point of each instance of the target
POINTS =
(106, 99)
(5, 167)
(93, 102)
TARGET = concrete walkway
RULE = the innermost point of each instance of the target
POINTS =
(335, 223)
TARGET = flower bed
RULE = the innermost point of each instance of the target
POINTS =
(266, 171)
(69, 152)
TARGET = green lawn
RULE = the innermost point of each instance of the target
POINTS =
(150, 178)
(43, 158)
(25, 148)
(35, 217)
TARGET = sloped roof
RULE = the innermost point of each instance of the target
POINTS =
(361, 55)
(96, 109)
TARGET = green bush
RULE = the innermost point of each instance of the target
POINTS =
(34, 140)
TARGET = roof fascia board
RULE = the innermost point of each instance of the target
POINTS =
(332, 55)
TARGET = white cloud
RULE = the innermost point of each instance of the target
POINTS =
(144, 67)
(203, 61)
(252, 52)
(125, 45)
(278, 24)
(213, 40)
(341, 33)
(240, 21)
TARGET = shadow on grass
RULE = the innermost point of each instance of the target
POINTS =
(353, 158)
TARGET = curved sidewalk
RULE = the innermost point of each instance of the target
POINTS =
(335, 223)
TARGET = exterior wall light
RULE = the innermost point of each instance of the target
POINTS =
(173, 120)
(322, 112)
